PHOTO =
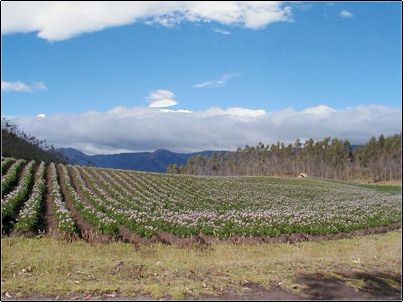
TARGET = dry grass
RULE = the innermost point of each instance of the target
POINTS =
(49, 267)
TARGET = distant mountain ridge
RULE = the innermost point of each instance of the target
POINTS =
(156, 161)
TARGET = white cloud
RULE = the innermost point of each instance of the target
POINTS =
(321, 110)
(55, 21)
(222, 81)
(146, 129)
(345, 14)
(236, 112)
(41, 115)
(178, 111)
(21, 87)
(221, 31)
(161, 98)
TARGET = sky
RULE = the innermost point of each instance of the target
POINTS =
(108, 77)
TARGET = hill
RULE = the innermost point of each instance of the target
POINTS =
(17, 144)
(157, 161)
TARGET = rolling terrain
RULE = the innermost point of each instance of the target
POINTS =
(157, 161)
(172, 236)
(110, 204)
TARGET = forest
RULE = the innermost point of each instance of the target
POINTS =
(377, 160)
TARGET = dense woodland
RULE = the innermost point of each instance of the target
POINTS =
(377, 160)
(18, 144)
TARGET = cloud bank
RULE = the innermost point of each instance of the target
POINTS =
(146, 129)
(21, 87)
(55, 21)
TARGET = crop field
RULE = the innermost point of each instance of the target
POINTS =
(75, 201)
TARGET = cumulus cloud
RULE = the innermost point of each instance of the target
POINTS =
(41, 115)
(161, 98)
(147, 129)
(222, 81)
(21, 87)
(55, 21)
(345, 14)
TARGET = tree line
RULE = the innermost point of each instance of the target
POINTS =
(18, 144)
(377, 160)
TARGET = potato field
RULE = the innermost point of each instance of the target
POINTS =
(73, 201)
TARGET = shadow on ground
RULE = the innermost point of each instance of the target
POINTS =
(352, 286)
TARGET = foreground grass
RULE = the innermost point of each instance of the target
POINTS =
(47, 267)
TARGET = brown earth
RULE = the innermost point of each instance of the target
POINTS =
(376, 287)
(202, 240)
(50, 219)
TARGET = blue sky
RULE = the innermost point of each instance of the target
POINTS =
(340, 55)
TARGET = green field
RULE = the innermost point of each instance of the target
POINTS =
(125, 204)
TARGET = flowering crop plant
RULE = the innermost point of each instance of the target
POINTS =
(30, 214)
(116, 202)
(19, 194)
(148, 203)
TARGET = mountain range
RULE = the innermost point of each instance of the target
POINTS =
(156, 161)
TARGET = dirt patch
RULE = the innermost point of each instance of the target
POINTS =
(252, 292)
(50, 219)
(370, 285)
(204, 241)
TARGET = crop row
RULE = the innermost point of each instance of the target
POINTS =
(150, 203)
(235, 206)
(11, 176)
(65, 223)
(5, 163)
(13, 200)
(28, 220)
(96, 218)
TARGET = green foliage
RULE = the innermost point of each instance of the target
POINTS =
(378, 160)
(28, 220)
(13, 200)
(9, 180)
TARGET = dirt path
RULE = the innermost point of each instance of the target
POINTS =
(50, 219)
(86, 230)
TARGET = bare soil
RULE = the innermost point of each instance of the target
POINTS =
(50, 219)
(376, 286)
(202, 240)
